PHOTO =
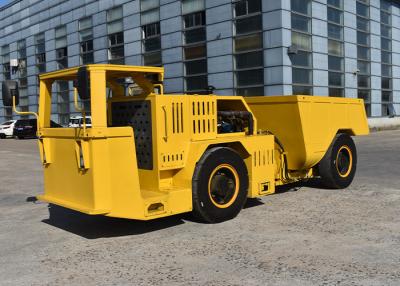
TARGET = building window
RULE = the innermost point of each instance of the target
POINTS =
(335, 48)
(152, 44)
(386, 59)
(363, 53)
(151, 32)
(22, 75)
(5, 55)
(116, 54)
(248, 48)
(86, 41)
(302, 63)
(8, 113)
(63, 102)
(22, 69)
(40, 53)
(61, 99)
(195, 48)
(6, 73)
(61, 47)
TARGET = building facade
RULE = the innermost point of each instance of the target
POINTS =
(347, 48)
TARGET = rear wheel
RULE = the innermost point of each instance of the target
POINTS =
(338, 167)
(220, 185)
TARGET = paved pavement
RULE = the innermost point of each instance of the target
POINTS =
(305, 236)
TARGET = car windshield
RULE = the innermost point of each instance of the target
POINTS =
(7, 123)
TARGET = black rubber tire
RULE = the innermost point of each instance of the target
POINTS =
(20, 137)
(327, 167)
(2, 136)
(203, 206)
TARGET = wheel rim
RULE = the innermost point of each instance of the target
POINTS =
(344, 161)
(223, 186)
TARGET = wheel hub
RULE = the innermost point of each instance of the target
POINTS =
(344, 161)
(223, 186)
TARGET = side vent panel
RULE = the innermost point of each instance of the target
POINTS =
(177, 117)
(172, 160)
(204, 118)
(173, 126)
(263, 158)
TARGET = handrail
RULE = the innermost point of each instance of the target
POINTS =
(26, 113)
(161, 86)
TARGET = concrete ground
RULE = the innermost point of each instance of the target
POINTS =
(305, 236)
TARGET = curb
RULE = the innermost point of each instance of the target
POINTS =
(383, 123)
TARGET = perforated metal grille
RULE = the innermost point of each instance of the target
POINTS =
(136, 114)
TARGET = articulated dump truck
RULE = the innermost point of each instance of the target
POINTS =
(149, 155)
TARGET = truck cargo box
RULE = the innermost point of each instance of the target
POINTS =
(306, 125)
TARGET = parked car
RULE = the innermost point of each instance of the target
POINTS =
(26, 128)
(7, 129)
(77, 121)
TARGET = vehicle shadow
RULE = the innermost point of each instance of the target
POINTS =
(93, 227)
(251, 203)
(293, 187)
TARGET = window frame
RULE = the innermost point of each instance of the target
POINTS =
(89, 53)
(5, 60)
(40, 57)
(62, 61)
(112, 47)
(247, 88)
(298, 68)
(333, 89)
(387, 108)
(360, 76)
(197, 26)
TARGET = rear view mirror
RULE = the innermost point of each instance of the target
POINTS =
(82, 83)
(10, 89)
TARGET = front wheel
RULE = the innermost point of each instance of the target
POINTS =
(220, 185)
(338, 167)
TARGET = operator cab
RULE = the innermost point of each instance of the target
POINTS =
(118, 96)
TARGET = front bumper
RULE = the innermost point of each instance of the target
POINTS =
(7, 132)
(71, 205)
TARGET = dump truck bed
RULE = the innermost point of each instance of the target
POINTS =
(306, 125)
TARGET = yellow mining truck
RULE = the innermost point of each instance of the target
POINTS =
(149, 155)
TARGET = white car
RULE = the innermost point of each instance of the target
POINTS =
(77, 121)
(7, 129)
